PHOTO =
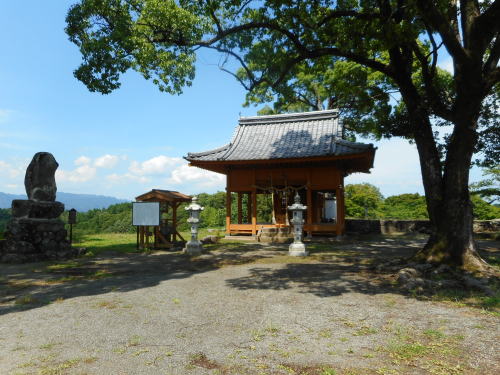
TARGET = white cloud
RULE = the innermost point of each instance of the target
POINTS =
(106, 161)
(196, 177)
(127, 177)
(9, 171)
(396, 169)
(83, 160)
(447, 64)
(158, 165)
(83, 173)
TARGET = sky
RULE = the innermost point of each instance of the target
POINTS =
(134, 139)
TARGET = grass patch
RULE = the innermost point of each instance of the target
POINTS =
(365, 331)
(48, 346)
(62, 266)
(61, 368)
(469, 298)
(26, 300)
(102, 242)
(134, 341)
(407, 351)
(431, 350)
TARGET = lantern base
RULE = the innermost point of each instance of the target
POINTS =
(193, 248)
(297, 250)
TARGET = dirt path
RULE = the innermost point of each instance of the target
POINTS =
(270, 314)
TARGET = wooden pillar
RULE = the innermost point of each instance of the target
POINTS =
(254, 204)
(137, 239)
(141, 237)
(309, 203)
(155, 236)
(340, 207)
(254, 212)
(249, 208)
(239, 208)
(174, 221)
(228, 204)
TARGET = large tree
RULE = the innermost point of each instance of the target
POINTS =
(400, 40)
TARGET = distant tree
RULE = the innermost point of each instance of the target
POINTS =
(5, 215)
(214, 213)
(483, 210)
(363, 201)
(488, 189)
(405, 206)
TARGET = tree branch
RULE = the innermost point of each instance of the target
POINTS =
(428, 75)
(468, 13)
(434, 51)
(333, 14)
(302, 50)
(484, 27)
(449, 35)
(492, 79)
(492, 61)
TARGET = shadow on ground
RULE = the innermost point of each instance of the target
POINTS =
(333, 268)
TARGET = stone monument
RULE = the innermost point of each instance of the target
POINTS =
(35, 231)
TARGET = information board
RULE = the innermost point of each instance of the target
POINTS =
(146, 213)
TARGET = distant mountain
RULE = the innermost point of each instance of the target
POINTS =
(6, 199)
(80, 202)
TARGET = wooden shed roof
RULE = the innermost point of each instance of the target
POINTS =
(158, 195)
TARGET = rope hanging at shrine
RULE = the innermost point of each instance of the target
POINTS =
(276, 189)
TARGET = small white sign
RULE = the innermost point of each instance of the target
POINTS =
(146, 213)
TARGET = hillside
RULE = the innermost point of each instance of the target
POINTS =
(80, 202)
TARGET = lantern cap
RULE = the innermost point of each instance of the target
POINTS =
(194, 206)
(297, 206)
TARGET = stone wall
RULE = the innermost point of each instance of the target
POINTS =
(362, 226)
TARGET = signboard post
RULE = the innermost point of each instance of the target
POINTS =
(145, 214)
(71, 221)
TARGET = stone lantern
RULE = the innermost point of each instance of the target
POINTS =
(297, 248)
(193, 246)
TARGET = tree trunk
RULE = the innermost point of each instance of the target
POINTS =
(449, 204)
(446, 184)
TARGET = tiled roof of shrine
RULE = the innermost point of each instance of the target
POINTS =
(296, 135)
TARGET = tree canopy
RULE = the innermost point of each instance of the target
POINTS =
(380, 54)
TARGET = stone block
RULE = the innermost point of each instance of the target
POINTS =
(18, 247)
(36, 209)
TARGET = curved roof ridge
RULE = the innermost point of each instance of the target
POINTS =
(209, 152)
(234, 142)
(287, 117)
(353, 144)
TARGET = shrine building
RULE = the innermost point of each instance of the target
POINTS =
(278, 156)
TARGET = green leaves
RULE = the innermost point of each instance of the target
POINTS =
(152, 37)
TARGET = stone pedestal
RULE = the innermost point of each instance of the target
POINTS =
(297, 249)
(35, 233)
(193, 248)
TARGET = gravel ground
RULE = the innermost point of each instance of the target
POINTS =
(271, 314)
